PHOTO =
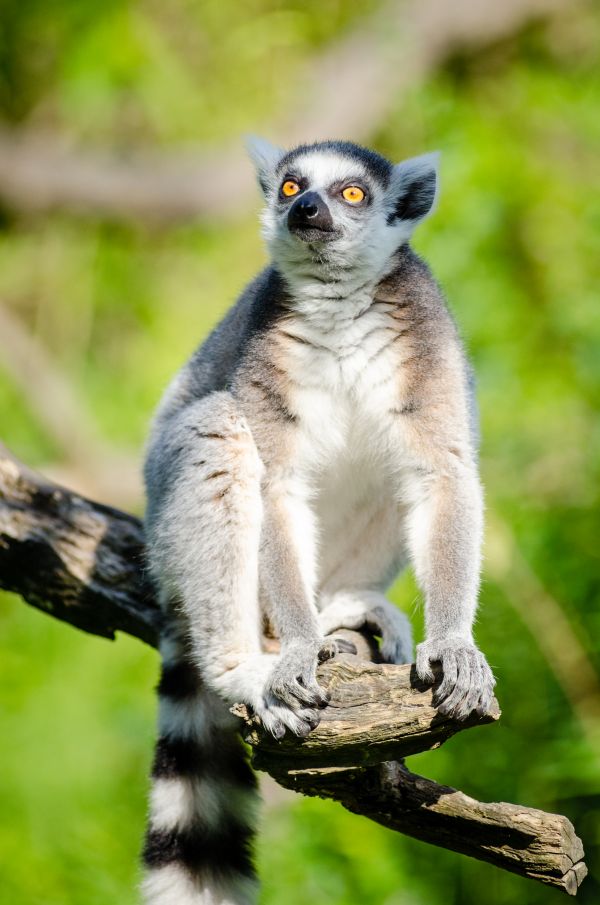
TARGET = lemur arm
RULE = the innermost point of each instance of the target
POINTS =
(445, 534)
(287, 562)
(288, 566)
(204, 524)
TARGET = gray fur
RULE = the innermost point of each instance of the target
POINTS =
(322, 437)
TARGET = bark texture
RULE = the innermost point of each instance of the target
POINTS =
(77, 560)
(522, 840)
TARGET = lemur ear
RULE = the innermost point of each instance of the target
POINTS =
(265, 158)
(414, 186)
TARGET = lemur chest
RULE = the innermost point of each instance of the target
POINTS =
(344, 385)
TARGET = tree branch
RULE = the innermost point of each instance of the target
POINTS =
(377, 712)
(77, 560)
(83, 563)
(521, 840)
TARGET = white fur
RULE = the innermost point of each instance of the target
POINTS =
(345, 382)
(368, 241)
(171, 886)
(264, 156)
(176, 803)
(345, 374)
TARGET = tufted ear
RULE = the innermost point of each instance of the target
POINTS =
(265, 158)
(413, 187)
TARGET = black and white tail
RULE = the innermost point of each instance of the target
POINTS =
(203, 798)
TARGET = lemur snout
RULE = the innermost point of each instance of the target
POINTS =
(309, 213)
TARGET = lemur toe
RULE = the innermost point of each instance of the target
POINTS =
(332, 646)
(327, 650)
(343, 646)
(395, 652)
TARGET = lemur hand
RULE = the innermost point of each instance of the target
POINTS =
(468, 682)
(294, 678)
(293, 682)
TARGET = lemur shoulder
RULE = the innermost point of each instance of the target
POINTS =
(321, 438)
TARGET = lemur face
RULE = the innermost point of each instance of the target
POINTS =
(339, 205)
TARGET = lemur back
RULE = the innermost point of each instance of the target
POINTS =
(321, 438)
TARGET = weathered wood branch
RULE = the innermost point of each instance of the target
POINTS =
(83, 563)
(377, 713)
(77, 560)
(522, 840)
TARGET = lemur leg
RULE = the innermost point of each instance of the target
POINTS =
(204, 539)
(360, 558)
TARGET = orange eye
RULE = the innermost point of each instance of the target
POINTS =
(353, 194)
(290, 188)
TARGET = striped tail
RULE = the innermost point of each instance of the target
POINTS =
(203, 799)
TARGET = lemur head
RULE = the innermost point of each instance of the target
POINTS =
(336, 206)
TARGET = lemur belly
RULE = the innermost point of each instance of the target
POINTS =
(344, 384)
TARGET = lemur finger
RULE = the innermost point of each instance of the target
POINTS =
(283, 692)
(276, 718)
(312, 718)
(473, 697)
(295, 693)
(453, 704)
(316, 695)
(301, 722)
(272, 724)
(488, 684)
(424, 670)
(450, 668)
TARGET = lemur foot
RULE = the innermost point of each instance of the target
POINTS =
(371, 610)
(332, 646)
(468, 682)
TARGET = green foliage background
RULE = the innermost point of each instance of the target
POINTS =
(515, 245)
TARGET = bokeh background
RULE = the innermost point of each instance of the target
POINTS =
(128, 223)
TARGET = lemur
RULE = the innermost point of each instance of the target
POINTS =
(321, 438)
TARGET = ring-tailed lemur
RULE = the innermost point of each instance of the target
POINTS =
(321, 437)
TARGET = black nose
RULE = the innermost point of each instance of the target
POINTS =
(309, 212)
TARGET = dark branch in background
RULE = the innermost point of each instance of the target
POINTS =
(77, 560)
(83, 563)
(347, 91)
